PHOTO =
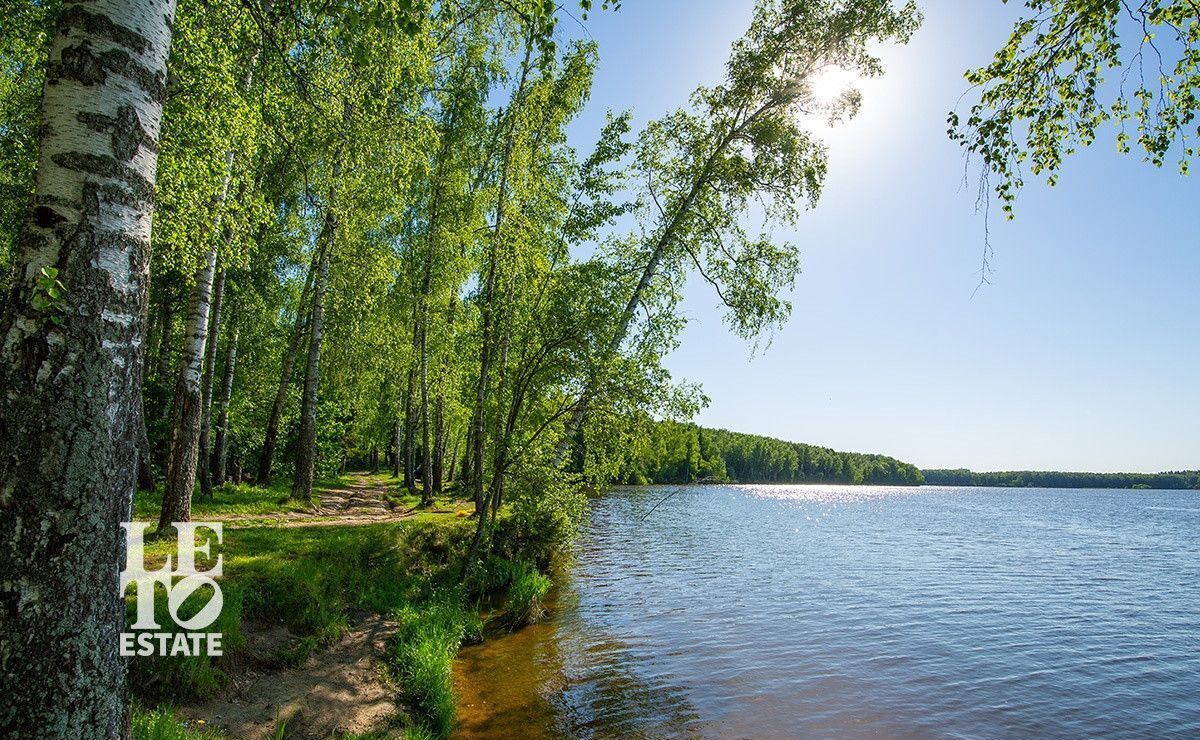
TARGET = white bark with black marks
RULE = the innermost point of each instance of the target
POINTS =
(185, 411)
(203, 460)
(70, 372)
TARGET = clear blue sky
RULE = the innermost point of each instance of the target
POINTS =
(1081, 355)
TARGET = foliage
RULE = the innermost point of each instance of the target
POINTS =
(314, 580)
(24, 41)
(1056, 479)
(404, 228)
(161, 724)
(1070, 67)
(422, 653)
(685, 453)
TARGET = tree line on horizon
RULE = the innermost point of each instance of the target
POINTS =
(1174, 480)
(675, 452)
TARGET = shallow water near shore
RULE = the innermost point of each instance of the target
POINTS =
(835, 611)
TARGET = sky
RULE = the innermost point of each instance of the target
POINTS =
(1081, 353)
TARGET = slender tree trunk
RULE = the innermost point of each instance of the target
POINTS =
(145, 464)
(397, 447)
(306, 454)
(161, 373)
(439, 445)
(410, 445)
(185, 411)
(468, 464)
(439, 432)
(204, 460)
(666, 237)
(453, 459)
(478, 431)
(575, 423)
(166, 339)
(488, 308)
(220, 447)
(145, 467)
(426, 449)
(307, 444)
(69, 372)
(189, 412)
(267, 457)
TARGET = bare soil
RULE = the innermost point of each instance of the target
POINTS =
(339, 690)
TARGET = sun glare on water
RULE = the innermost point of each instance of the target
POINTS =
(826, 494)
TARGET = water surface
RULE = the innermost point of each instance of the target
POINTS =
(833, 611)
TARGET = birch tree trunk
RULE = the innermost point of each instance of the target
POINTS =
(437, 474)
(69, 372)
(397, 448)
(165, 339)
(410, 445)
(267, 458)
(189, 411)
(185, 410)
(203, 460)
(221, 444)
(162, 371)
(487, 338)
(662, 243)
(306, 447)
(426, 451)
(453, 459)
(145, 468)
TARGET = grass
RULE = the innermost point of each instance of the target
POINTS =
(161, 724)
(525, 594)
(422, 653)
(235, 500)
(519, 586)
(316, 581)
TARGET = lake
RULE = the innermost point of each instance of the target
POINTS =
(838, 611)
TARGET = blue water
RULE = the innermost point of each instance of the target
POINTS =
(828, 611)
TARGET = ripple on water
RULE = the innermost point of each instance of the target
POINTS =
(776, 611)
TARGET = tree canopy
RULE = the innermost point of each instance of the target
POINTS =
(685, 453)
(1069, 68)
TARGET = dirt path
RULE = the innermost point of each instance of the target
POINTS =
(341, 688)
(361, 501)
(338, 690)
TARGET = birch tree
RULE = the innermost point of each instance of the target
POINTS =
(206, 136)
(71, 344)
(744, 142)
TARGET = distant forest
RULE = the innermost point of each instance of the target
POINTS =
(674, 452)
(684, 453)
(1057, 479)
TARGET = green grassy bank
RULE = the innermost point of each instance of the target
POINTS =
(317, 580)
